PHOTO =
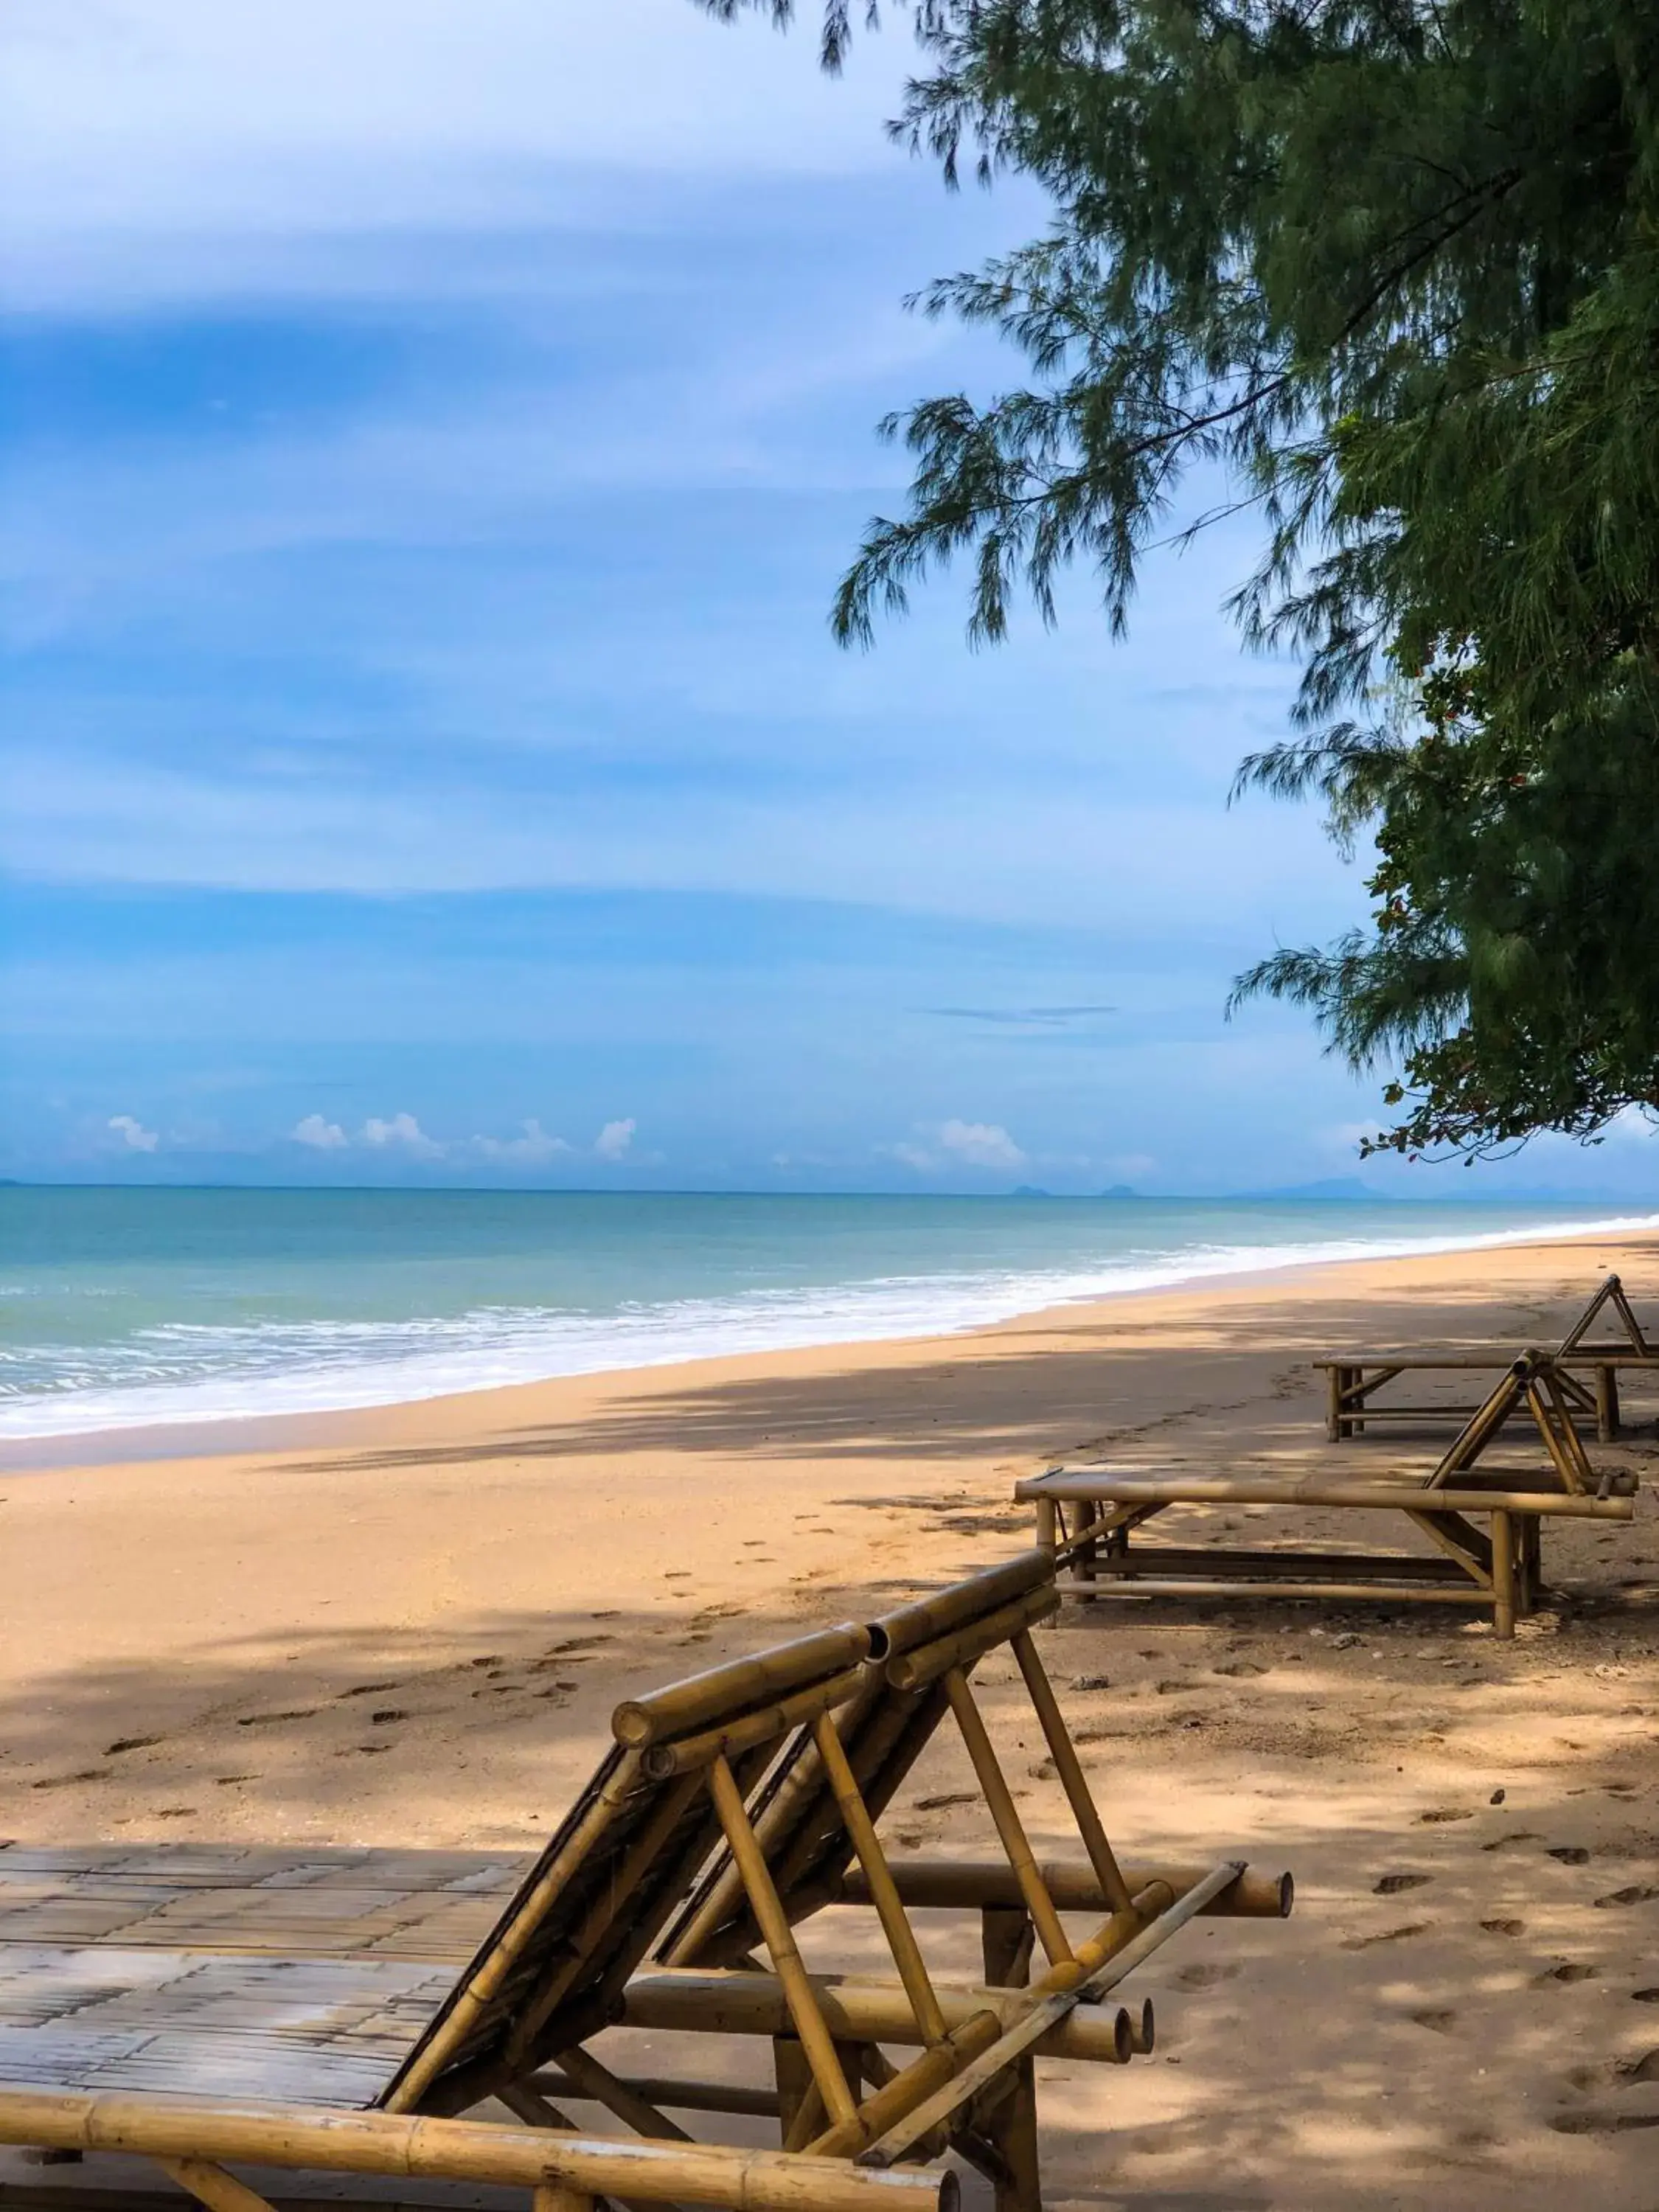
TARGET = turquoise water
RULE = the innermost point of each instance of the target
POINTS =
(122, 1309)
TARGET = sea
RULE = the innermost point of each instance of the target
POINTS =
(130, 1309)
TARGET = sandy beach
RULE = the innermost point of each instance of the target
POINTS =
(410, 1625)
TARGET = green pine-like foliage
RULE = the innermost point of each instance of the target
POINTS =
(1393, 265)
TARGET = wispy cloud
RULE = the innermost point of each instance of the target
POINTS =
(614, 1139)
(1024, 1017)
(133, 1134)
(532, 1147)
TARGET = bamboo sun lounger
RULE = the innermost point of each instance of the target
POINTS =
(1501, 1567)
(1353, 1379)
(211, 2030)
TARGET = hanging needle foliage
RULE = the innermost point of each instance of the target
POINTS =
(1393, 265)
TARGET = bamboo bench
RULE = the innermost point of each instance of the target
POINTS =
(1501, 1568)
(302, 2013)
(1353, 1379)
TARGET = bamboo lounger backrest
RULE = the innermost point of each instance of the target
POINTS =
(1611, 1293)
(1533, 1381)
(733, 1805)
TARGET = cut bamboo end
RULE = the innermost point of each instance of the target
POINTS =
(1143, 2031)
(931, 1618)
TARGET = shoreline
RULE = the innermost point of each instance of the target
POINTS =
(324, 1427)
(220, 1432)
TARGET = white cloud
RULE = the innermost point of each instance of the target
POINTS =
(402, 1130)
(614, 1139)
(322, 1136)
(980, 1144)
(133, 1135)
(535, 1145)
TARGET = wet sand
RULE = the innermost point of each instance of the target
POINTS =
(409, 1626)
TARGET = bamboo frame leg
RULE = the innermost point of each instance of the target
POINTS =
(1047, 1527)
(1066, 1765)
(1532, 1556)
(1606, 1405)
(1333, 1404)
(773, 1925)
(212, 2185)
(1006, 1939)
(1011, 2127)
(1006, 1815)
(884, 1895)
(1502, 1573)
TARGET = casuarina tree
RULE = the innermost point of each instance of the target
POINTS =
(1388, 272)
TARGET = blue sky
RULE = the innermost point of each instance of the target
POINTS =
(431, 436)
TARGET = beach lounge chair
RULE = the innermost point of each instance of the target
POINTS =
(1501, 1567)
(730, 1808)
(1354, 1379)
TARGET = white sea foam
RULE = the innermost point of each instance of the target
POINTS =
(181, 1373)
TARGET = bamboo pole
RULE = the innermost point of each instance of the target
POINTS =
(973, 1884)
(773, 1925)
(686, 1754)
(715, 2001)
(1250, 1489)
(309, 2139)
(663, 2091)
(594, 2080)
(212, 2185)
(1503, 1574)
(1139, 1585)
(1070, 1771)
(901, 1940)
(680, 1708)
(1005, 1814)
(911, 2087)
(926, 1662)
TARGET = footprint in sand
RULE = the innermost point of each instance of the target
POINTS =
(368, 1689)
(1392, 1884)
(1388, 1935)
(1646, 1997)
(130, 1743)
(269, 1720)
(1569, 1854)
(1566, 1974)
(224, 1781)
(174, 1811)
(1438, 2019)
(950, 1797)
(1639, 1894)
(1441, 1814)
(1505, 1927)
(1239, 1667)
(1645, 2068)
(1204, 1977)
(1515, 1836)
(386, 1715)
